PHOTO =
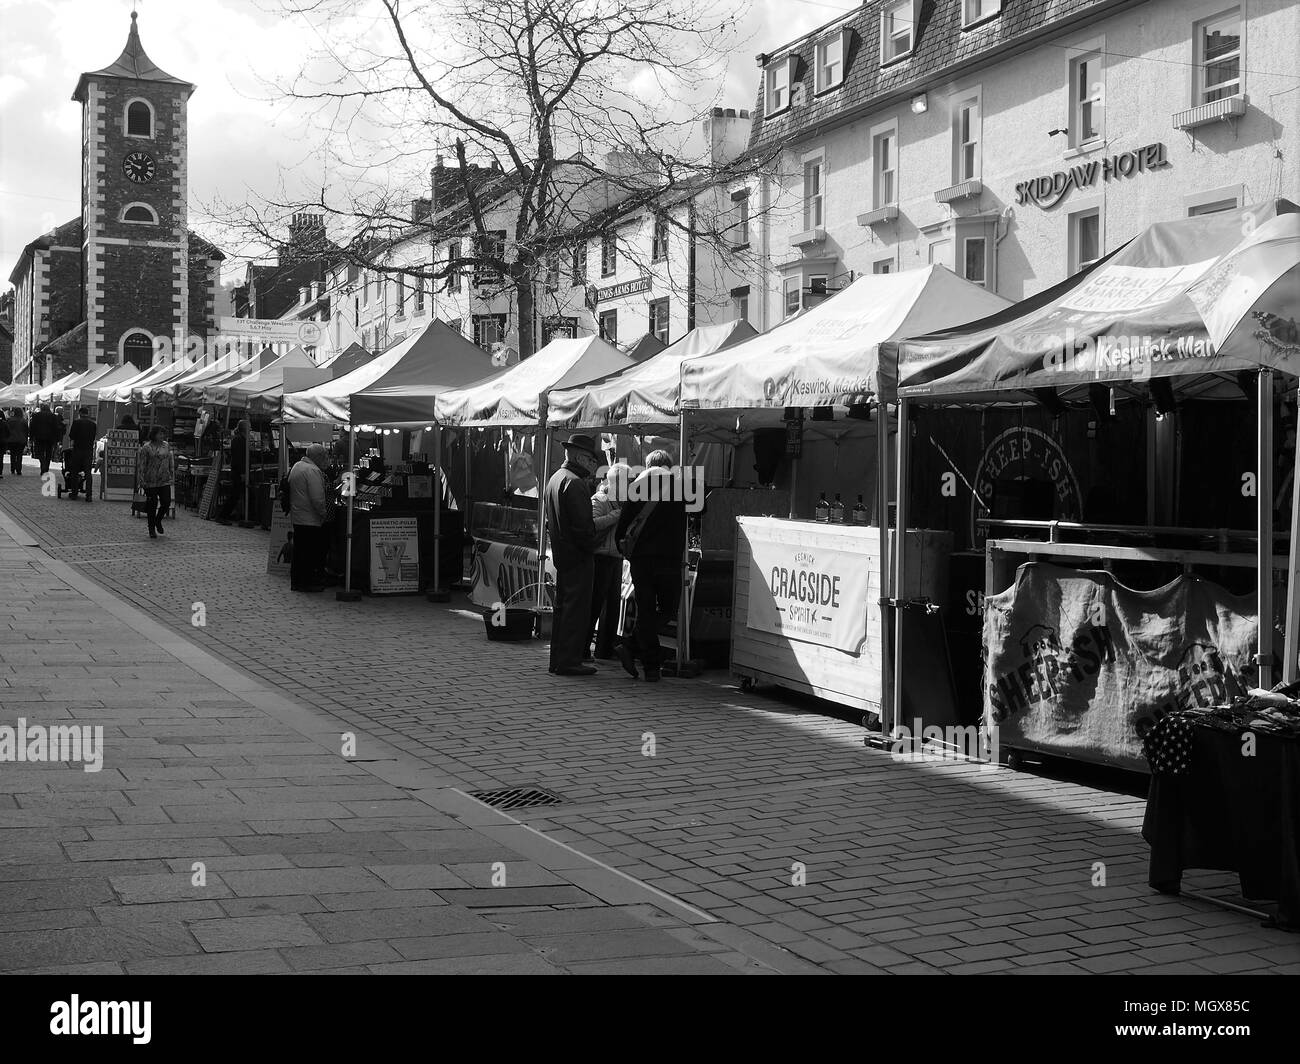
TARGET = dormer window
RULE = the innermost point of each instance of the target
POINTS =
(973, 11)
(830, 61)
(778, 85)
(897, 30)
(139, 119)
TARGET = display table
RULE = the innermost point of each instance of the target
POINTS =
(1230, 812)
(806, 604)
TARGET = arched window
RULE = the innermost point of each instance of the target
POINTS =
(140, 213)
(139, 119)
(137, 348)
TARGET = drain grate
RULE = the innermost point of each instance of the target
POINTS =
(517, 798)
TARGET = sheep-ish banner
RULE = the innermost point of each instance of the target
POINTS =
(1080, 664)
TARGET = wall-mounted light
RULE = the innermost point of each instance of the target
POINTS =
(920, 103)
(1058, 132)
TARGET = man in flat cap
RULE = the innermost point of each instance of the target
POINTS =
(573, 548)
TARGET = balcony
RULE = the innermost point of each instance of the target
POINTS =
(961, 190)
(808, 238)
(887, 213)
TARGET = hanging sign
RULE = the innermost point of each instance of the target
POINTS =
(120, 449)
(272, 330)
(394, 555)
(810, 593)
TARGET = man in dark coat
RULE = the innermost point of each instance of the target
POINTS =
(573, 547)
(655, 559)
(45, 433)
(82, 436)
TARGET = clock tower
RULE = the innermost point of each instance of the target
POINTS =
(136, 245)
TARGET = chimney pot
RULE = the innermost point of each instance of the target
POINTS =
(717, 112)
(730, 112)
(744, 113)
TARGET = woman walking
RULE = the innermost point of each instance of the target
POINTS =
(155, 469)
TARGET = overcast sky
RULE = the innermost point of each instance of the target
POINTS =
(241, 138)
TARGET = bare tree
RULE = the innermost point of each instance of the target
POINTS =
(533, 98)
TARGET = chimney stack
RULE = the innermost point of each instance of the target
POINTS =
(727, 133)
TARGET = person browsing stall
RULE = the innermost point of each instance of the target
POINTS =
(573, 548)
(308, 512)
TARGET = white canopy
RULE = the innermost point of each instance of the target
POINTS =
(47, 393)
(645, 397)
(518, 397)
(829, 355)
(79, 391)
(159, 373)
(235, 391)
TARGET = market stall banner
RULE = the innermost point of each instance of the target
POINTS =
(1081, 664)
(394, 555)
(120, 449)
(814, 594)
(505, 573)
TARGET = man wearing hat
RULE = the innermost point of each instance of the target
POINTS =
(573, 548)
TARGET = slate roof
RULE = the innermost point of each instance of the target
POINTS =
(942, 48)
(133, 63)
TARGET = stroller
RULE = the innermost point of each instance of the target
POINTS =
(74, 479)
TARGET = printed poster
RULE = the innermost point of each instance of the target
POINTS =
(279, 552)
(394, 555)
(120, 449)
(507, 573)
(808, 592)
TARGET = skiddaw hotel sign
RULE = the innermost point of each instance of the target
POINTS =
(1047, 191)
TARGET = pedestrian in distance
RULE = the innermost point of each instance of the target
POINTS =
(651, 535)
(17, 441)
(573, 548)
(82, 437)
(45, 432)
(155, 470)
(607, 585)
(308, 513)
(4, 441)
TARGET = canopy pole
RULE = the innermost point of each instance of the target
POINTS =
(1291, 647)
(541, 518)
(683, 600)
(794, 487)
(439, 593)
(1264, 500)
(347, 594)
(247, 522)
(882, 521)
(900, 555)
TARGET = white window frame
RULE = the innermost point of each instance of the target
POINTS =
(454, 277)
(609, 254)
(658, 228)
(1096, 97)
(888, 265)
(153, 119)
(600, 325)
(1199, 87)
(984, 260)
(740, 302)
(878, 133)
(153, 215)
(1194, 202)
(1083, 209)
(987, 9)
(970, 98)
(740, 203)
(821, 81)
(665, 305)
(815, 159)
(942, 242)
(481, 321)
(778, 76)
(887, 40)
(797, 281)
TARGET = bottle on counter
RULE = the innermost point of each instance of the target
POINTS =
(860, 515)
(837, 511)
(822, 511)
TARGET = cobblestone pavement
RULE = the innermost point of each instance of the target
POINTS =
(906, 867)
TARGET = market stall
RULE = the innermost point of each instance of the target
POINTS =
(393, 395)
(804, 399)
(1131, 451)
(639, 407)
(518, 400)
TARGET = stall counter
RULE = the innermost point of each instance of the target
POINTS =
(806, 604)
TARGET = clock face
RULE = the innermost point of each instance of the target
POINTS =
(140, 167)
